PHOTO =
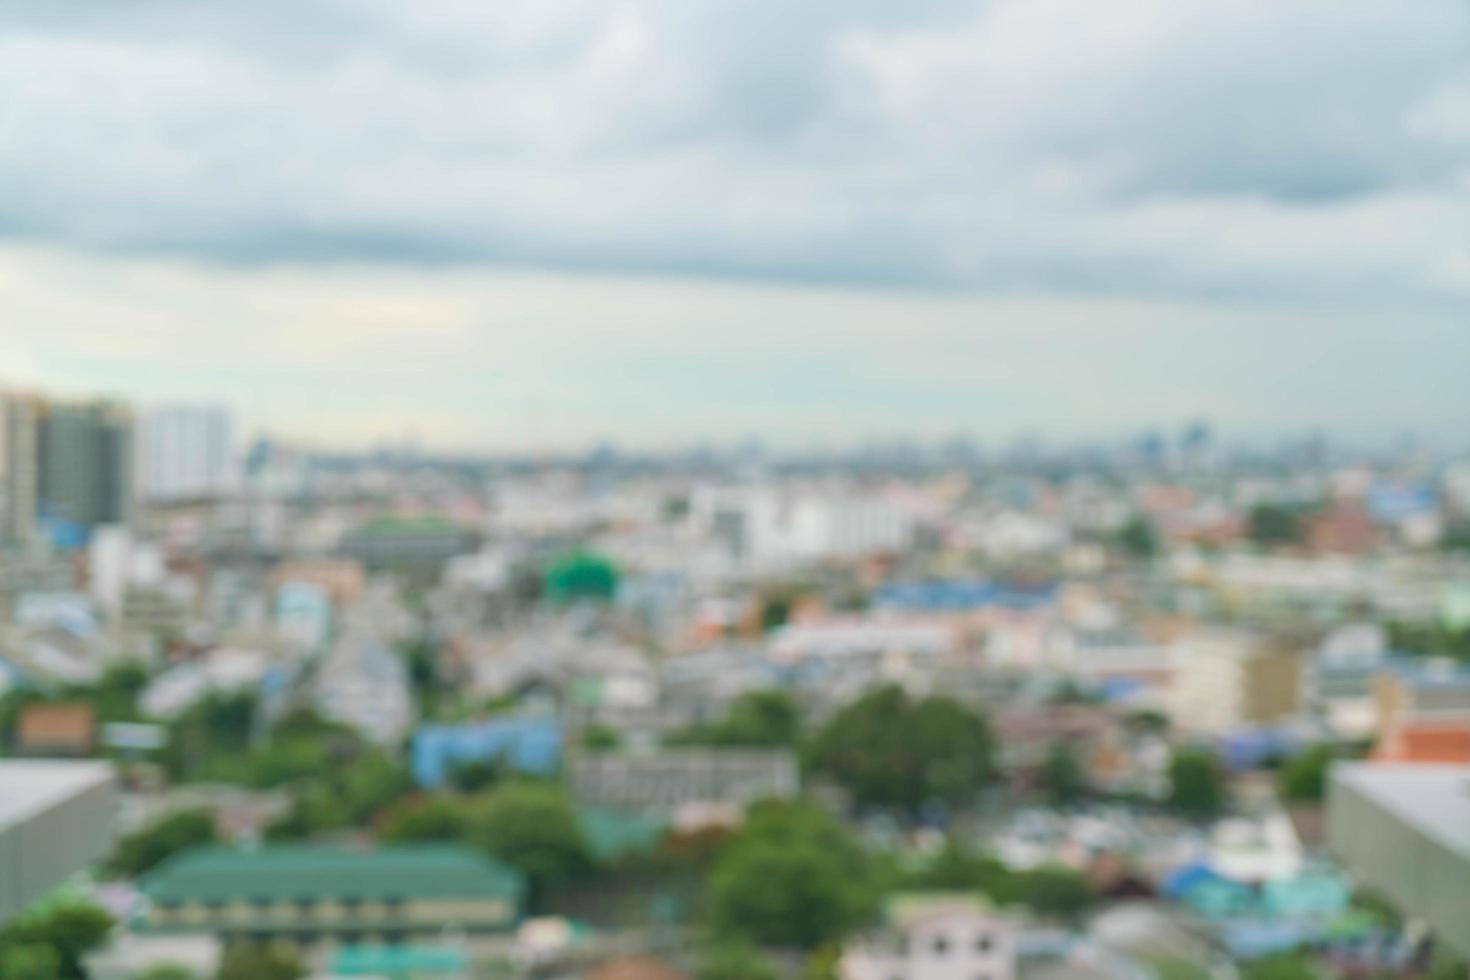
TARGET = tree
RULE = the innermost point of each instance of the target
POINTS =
(1269, 524)
(70, 930)
(1054, 890)
(531, 826)
(1303, 778)
(600, 738)
(145, 849)
(166, 971)
(1062, 775)
(433, 818)
(1196, 784)
(756, 718)
(957, 868)
(791, 877)
(1137, 537)
(261, 961)
(729, 960)
(1279, 966)
(29, 961)
(888, 750)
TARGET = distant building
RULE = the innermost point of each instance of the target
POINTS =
(86, 463)
(1227, 679)
(935, 937)
(1421, 690)
(186, 452)
(345, 896)
(55, 819)
(62, 729)
(408, 544)
(665, 780)
(18, 470)
(1404, 830)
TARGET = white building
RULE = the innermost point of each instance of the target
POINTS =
(55, 819)
(186, 451)
(1225, 679)
(935, 937)
(770, 527)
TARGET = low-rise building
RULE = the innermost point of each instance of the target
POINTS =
(934, 937)
(1226, 679)
(55, 819)
(309, 894)
(665, 780)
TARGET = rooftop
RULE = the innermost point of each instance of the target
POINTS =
(29, 788)
(287, 873)
(1435, 799)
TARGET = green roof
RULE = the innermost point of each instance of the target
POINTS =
(292, 872)
(612, 833)
(395, 960)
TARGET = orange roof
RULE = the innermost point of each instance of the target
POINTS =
(1427, 741)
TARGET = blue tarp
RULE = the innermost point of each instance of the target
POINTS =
(962, 595)
(529, 745)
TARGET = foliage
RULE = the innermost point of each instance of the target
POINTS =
(756, 718)
(1281, 966)
(1196, 783)
(68, 930)
(429, 818)
(166, 971)
(532, 826)
(1447, 966)
(1430, 640)
(343, 796)
(477, 775)
(1053, 890)
(1269, 524)
(29, 961)
(729, 960)
(1062, 775)
(792, 877)
(600, 738)
(888, 750)
(1137, 537)
(1303, 777)
(261, 961)
(957, 868)
(1381, 907)
(150, 846)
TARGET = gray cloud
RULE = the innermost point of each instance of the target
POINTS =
(1308, 150)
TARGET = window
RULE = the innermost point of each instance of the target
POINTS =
(983, 943)
(941, 945)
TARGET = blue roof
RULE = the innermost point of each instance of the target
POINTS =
(1179, 881)
(529, 745)
(957, 595)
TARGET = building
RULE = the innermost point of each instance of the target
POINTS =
(1404, 830)
(345, 896)
(55, 819)
(665, 780)
(934, 937)
(56, 729)
(1421, 690)
(18, 473)
(1227, 679)
(86, 463)
(1432, 740)
(186, 452)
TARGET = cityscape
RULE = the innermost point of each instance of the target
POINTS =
(569, 490)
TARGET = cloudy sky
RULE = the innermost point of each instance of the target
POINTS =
(544, 223)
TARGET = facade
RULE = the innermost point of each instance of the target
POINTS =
(935, 937)
(1224, 680)
(86, 463)
(18, 473)
(663, 781)
(1404, 830)
(310, 894)
(186, 452)
(55, 819)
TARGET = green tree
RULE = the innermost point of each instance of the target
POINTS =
(756, 718)
(1303, 778)
(1062, 775)
(166, 971)
(1196, 783)
(532, 826)
(430, 818)
(145, 849)
(791, 877)
(888, 750)
(1054, 891)
(600, 738)
(729, 960)
(1269, 524)
(958, 868)
(70, 929)
(30, 961)
(1280, 966)
(1137, 537)
(261, 961)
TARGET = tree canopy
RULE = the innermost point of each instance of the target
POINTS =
(533, 827)
(1196, 783)
(150, 846)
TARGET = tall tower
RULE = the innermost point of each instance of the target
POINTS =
(86, 462)
(18, 469)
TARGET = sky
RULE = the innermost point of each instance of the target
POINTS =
(544, 224)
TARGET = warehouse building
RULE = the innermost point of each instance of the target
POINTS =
(1404, 830)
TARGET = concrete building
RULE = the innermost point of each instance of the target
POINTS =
(18, 470)
(1227, 679)
(311, 894)
(86, 463)
(55, 819)
(665, 780)
(934, 937)
(1404, 830)
(186, 452)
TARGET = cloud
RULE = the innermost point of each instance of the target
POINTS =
(1310, 151)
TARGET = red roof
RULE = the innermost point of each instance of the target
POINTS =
(1427, 741)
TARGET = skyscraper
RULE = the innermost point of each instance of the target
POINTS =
(86, 462)
(18, 476)
(186, 451)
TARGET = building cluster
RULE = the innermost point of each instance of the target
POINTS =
(594, 623)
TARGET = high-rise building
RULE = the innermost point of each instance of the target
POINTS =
(18, 475)
(186, 451)
(86, 462)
